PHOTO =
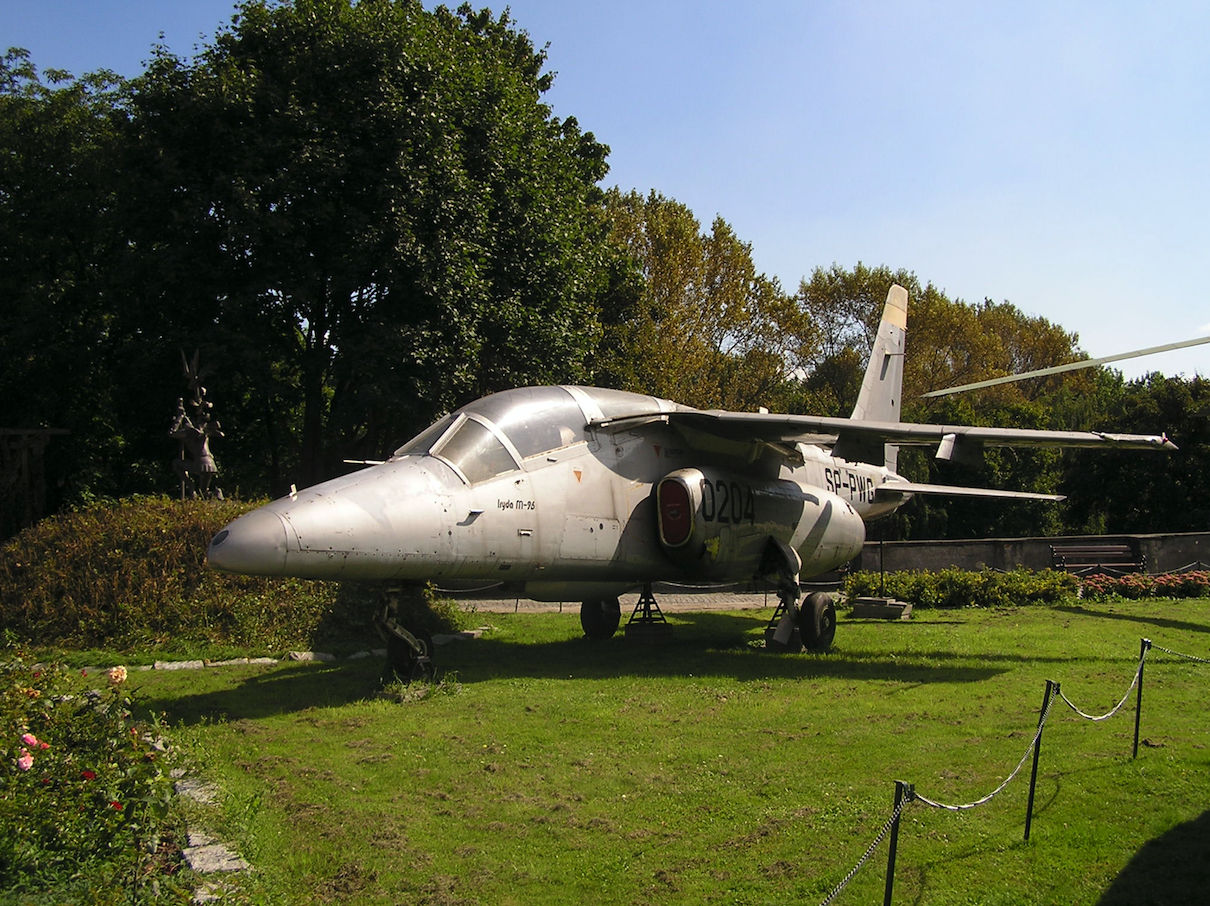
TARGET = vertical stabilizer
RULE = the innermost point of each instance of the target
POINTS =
(881, 390)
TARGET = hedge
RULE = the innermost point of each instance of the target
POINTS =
(132, 573)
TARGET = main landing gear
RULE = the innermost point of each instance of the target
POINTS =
(792, 628)
(601, 618)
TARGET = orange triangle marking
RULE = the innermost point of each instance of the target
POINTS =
(579, 473)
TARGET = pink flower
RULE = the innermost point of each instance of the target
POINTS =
(26, 761)
(29, 739)
(117, 676)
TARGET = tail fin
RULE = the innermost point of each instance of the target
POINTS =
(879, 398)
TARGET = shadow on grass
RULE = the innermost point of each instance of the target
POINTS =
(1162, 622)
(1174, 868)
(703, 645)
(282, 690)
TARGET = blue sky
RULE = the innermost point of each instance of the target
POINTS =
(1053, 155)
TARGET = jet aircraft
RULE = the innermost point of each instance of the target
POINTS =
(575, 493)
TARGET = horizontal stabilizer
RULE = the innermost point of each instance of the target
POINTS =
(899, 488)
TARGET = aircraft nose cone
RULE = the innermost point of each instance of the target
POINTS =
(254, 544)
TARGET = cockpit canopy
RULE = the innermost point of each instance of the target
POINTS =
(496, 434)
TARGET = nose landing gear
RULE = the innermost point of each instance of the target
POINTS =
(409, 652)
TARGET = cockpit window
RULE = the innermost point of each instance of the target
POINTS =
(476, 452)
(535, 419)
(423, 442)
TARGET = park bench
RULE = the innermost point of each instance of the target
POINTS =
(1095, 557)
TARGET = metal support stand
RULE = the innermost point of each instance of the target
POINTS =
(647, 622)
(646, 609)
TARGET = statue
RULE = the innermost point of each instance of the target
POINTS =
(195, 467)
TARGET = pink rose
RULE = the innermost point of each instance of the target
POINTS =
(30, 739)
(26, 761)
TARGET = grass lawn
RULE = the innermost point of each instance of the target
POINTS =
(548, 769)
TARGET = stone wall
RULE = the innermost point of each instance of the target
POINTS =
(1164, 553)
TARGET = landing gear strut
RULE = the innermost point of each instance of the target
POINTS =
(409, 652)
(792, 627)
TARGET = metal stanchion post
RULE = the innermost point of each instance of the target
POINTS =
(1051, 688)
(901, 789)
(1144, 647)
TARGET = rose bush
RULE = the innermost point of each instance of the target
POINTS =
(1192, 584)
(85, 787)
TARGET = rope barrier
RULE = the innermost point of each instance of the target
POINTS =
(1188, 657)
(1007, 780)
(886, 829)
(908, 793)
(1134, 682)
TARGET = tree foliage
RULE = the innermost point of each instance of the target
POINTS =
(1118, 492)
(701, 326)
(363, 213)
(59, 231)
(380, 198)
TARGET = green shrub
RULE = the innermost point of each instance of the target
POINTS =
(133, 574)
(965, 588)
(84, 788)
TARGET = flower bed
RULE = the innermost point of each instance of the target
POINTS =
(84, 786)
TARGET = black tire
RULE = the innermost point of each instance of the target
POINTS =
(817, 622)
(407, 664)
(600, 618)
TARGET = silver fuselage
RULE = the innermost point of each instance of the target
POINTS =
(521, 489)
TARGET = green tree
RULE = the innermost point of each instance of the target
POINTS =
(949, 343)
(840, 313)
(61, 185)
(700, 326)
(1127, 492)
(374, 199)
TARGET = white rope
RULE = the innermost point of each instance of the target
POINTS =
(1188, 657)
(1007, 780)
(1134, 682)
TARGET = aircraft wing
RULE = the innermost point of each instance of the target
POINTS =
(956, 442)
(807, 428)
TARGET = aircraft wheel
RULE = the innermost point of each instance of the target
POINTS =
(407, 664)
(600, 618)
(817, 621)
